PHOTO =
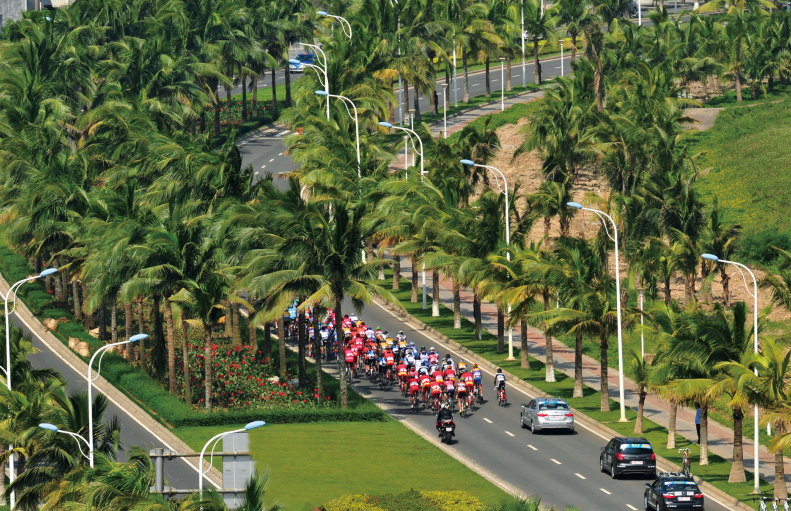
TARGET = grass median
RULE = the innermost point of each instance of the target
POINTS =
(311, 464)
(715, 473)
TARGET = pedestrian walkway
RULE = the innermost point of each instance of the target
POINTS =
(459, 121)
(720, 437)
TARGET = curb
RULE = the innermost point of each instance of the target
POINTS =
(135, 412)
(595, 426)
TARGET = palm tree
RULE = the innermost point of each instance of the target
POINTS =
(723, 240)
(573, 14)
(540, 24)
(641, 375)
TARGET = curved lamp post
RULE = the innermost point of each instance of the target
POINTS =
(342, 20)
(7, 369)
(601, 214)
(54, 428)
(507, 238)
(356, 123)
(215, 439)
(754, 294)
(410, 133)
(321, 67)
(91, 379)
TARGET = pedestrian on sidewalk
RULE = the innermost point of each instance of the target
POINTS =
(697, 421)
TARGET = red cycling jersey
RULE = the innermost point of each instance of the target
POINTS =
(349, 355)
(438, 375)
(425, 380)
(389, 358)
(414, 386)
(433, 358)
(450, 385)
(450, 372)
(437, 388)
(468, 379)
(401, 370)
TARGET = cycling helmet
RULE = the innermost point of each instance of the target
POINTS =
(447, 357)
(378, 328)
(422, 348)
(385, 332)
(443, 406)
(462, 366)
(475, 366)
(499, 370)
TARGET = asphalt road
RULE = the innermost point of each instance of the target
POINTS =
(562, 468)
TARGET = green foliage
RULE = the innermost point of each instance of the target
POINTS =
(407, 501)
(452, 500)
(511, 115)
(757, 248)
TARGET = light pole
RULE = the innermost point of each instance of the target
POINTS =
(91, 379)
(215, 439)
(562, 71)
(410, 133)
(54, 428)
(754, 294)
(507, 240)
(356, 123)
(641, 290)
(7, 370)
(455, 78)
(502, 83)
(445, 107)
(342, 20)
(321, 67)
(617, 298)
(639, 12)
(524, 82)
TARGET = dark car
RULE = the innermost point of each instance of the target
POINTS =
(625, 455)
(673, 491)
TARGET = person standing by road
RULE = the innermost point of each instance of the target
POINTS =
(697, 421)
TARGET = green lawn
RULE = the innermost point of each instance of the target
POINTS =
(311, 464)
(715, 473)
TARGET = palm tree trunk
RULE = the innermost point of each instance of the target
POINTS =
(254, 93)
(302, 335)
(704, 434)
(236, 330)
(207, 362)
(228, 320)
(578, 366)
(340, 359)
(217, 111)
(476, 312)
(667, 292)
(508, 74)
(466, 98)
(605, 384)
(573, 46)
(37, 264)
(671, 426)
(114, 319)
(537, 67)
(89, 323)
(317, 357)
(550, 363)
(281, 338)
(2, 479)
(416, 98)
(140, 318)
(435, 294)
(228, 109)
(523, 351)
(128, 318)
(391, 105)
(638, 424)
(500, 330)
(456, 306)
(75, 296)
(171, 334)
(414, 279)
(185, 356)
(598, 84)
(274, 87)
(726, 289)
(781, 491)
(58, 285)
(738, 82)
(244, 98)
(488, 85)
(102, 323)
(405, 120)
(288, 84)
(737, 467)
(267, 338)
(64, 276)
(202, 121)
(397, 273)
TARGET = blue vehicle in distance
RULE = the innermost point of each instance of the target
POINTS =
(303, 58)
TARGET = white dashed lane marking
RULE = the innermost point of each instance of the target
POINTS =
(579, 475)
(263, 166)
(270, 161)
(555, 461)
(631, 507)
(487, 420)
(509, 433)
(605, 491)
(281, 154)
(532, 447)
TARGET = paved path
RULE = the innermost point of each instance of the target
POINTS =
(720, 437)
(704, 117)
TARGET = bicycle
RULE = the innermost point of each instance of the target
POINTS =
(348, 375)
(471, 401)
(762, 503)
(502, 399)
(479, 393)
(686, 463)
(415, 402)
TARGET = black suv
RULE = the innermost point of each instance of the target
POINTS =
(625, 455)
(673, 491)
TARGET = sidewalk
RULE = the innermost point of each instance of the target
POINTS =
(462, 119)
(720, 437)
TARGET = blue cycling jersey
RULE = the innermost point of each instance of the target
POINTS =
(477, 374)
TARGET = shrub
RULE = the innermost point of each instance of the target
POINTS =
(757, 248)
(453, 501)
(352, 503)
(407, 501)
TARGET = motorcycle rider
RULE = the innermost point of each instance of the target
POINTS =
(443, 415)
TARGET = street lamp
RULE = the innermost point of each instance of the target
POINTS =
(754, 294)
(410, 134)
(562, 71)
(641, 290)
(215, 439)
(445, 107)
(524, 80)
(321, 67)
(507, 240)
(7, 370)
(52, 427)
(342, 20)
(91, 379)
(502, 83)
(356, 123)
(617, 298)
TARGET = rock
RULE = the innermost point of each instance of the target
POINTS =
(84, 349)
(73, 341)
(51, 324)
(94, 332)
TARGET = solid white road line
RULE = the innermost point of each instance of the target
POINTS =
(579, 475)
(487, 420)
(556, 461)
(605, 491)
(532, 447)
(509, 433)
(631, 507)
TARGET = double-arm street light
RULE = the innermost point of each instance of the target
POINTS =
(754, 294)
(342, 20)
(12, 293)
(322, 67)
(601, 214)
(356, 122)
(215, 439)
(507, 238)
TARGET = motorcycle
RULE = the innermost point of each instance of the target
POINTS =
(447, 430)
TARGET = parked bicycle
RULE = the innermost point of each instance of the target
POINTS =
(763, 500)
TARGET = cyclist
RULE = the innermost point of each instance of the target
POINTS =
(346, 322)
(354, 319)
(369, 333)
(350, 356)
(468, 381)
(438, 375)
(425, 385)
(382, 363)
(414, 389)
(450, 389)
(390, 360)
(477, 375)
(370, 360)
(423, 369)
(400, 336)
(402, 372)
(462, 366)
(449, 373)
(499, 381)
(410, 357)
(433, 356)
(423, 355)
(448, 360)
(379, 333)
(436, 387)
(461, 394)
